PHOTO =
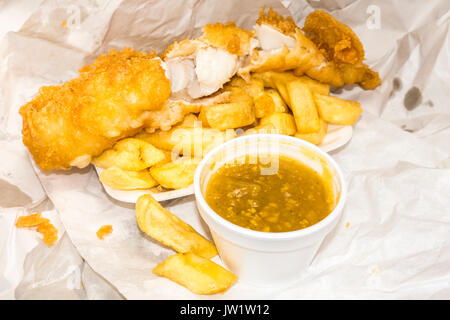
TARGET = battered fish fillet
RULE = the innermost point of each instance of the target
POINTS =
(332, 55)
(281, 46)
(67, 125)
(199, 67)
(343, 51)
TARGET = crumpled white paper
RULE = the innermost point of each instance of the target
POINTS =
(393, 240)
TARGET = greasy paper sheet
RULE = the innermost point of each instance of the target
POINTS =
(393, 238)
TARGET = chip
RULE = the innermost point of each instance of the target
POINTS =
(130, 154)
(336, 110)
(119, 179)
(283, 123)
(176, 174)
(162, 225)
(315, 137)
(199, 275)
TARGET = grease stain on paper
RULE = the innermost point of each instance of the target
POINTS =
(396, 86)
(413, 98)
(406, 129)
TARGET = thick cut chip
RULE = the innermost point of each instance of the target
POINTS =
(269, 102)
(275, 80)
(314, 85)
(297, 93)
(253, 87)
(187, 141)
(229, 115)
(130, 154)
(238, 112)
(280, 105)
(189, 121)
(197, 274)
(162, 225)
(336, 110)
(284, 123)
(316, 137)
(176, 174)
(303, 107)
(119, 179)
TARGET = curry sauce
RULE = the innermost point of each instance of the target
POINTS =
(292, 198)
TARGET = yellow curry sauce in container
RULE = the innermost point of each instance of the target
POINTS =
(269, 200)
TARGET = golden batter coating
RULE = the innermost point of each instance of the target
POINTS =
(229, 37)
(66, 125)
(286, 26)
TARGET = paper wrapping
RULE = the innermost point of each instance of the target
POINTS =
(393, 240)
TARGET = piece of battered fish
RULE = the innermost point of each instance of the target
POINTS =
(68, 124)
(342, 50)
(200, 67)
(281, 46)
(327, 50)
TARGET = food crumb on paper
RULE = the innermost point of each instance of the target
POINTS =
(103, 231)
(347, 224)
(376, 270)
(44, 227)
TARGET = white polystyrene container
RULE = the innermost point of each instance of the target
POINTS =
(264, 258)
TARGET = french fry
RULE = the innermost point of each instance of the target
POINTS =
(266, 128)
(277, 80)
(284, 123)
(269, 102)
(229, 115)
(176, 174)
(195, 273)
(297, 93)
(253, 88)
(165, 227)
(282, 89)
(303, 107)
(235, 113)
(266, 78)
(280, 105)
(129, 154)
(336, 110)
(189, 121)
(164, 140)
(314, 85)
(202, 118)
(237, 82)
(316, 137)
(119, 179)
(168, 157)
(187, 141)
